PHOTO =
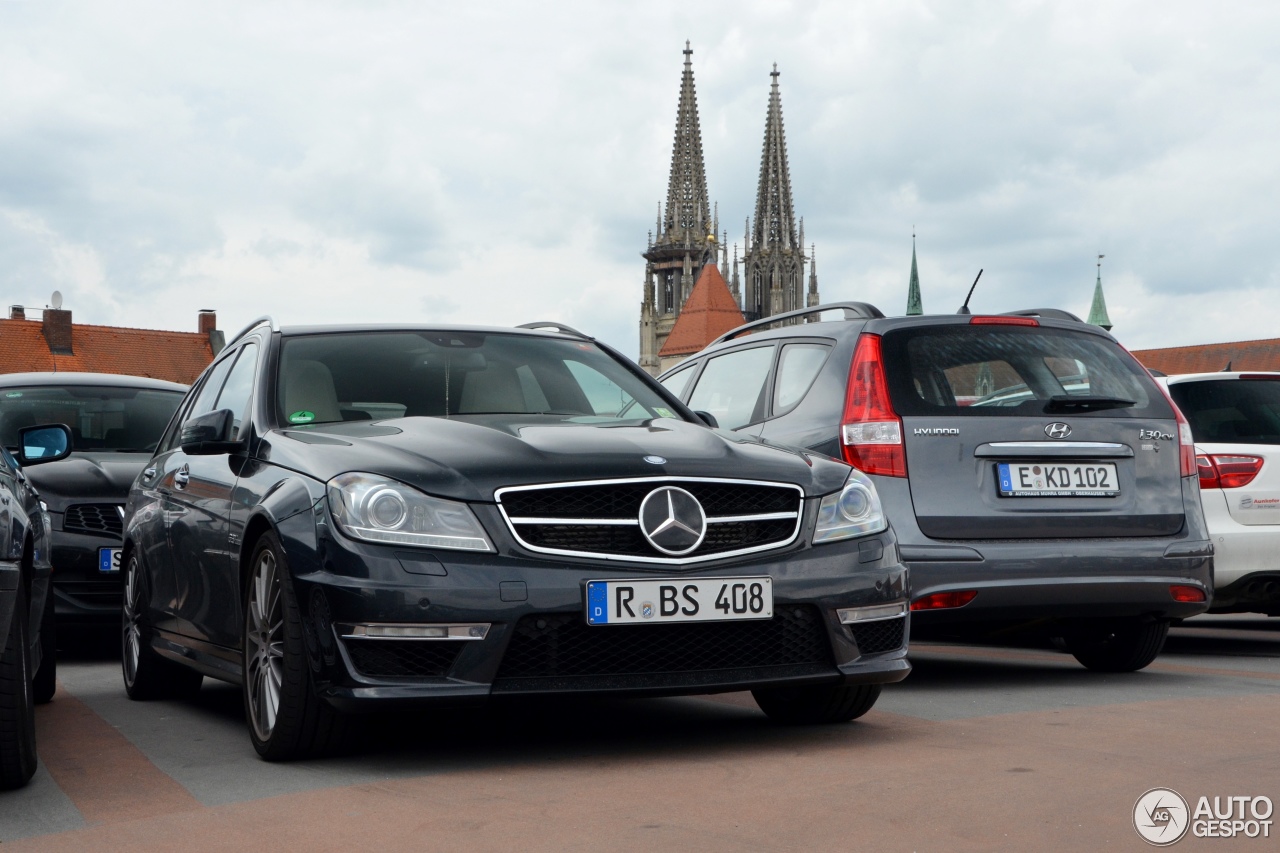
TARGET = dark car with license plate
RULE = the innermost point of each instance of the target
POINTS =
(341, 518)
(1037, 478)
(115, 422)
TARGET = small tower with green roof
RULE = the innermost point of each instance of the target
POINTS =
(1098, 312)
(915, 305)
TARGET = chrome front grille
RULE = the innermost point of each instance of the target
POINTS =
(601, 519)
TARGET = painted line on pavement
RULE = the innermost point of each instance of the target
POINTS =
(106, 777)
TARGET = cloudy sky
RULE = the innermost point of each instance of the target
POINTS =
(490, 162)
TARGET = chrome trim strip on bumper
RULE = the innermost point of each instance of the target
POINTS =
(413, 631)
(874, 613)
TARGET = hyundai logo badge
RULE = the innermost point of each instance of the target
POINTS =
(1057, 430)
(655, 460)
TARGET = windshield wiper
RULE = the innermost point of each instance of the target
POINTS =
(1080, 403)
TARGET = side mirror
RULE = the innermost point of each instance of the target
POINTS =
(209, 434)
(44, 443)
(708, 419)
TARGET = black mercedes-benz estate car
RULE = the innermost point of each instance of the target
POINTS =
(1036, 476)
(26, 663)
(345, 517)
(115, 424)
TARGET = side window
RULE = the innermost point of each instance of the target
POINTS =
(238, 390)
(678, 381)
(798, 366)
(732, 387)
(205, 401)
(207, 393)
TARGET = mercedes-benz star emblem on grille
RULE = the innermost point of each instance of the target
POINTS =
(1057, 430)
(655, 460)
(672, 521)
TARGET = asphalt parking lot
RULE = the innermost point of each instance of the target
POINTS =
(981, 748)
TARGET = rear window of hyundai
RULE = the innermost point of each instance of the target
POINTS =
(1012, 371)
(1231, 410)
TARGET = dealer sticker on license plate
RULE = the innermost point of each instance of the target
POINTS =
(109, 559)
(1057, 480)
(626, 602)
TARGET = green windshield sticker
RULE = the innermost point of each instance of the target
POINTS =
(666, 413)
(12, 394)
(302, 417)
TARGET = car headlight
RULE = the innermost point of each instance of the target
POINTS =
(855, 510)
(376, 509)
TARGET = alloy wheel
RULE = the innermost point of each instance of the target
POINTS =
(264, 645)
(132, 623)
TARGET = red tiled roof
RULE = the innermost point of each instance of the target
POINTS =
(709, 312)
(175, 356)
(1209, 358)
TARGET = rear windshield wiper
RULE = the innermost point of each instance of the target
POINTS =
(1080, 403)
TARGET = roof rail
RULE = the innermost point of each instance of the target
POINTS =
(1047, 313)
(265, 318)
(852, 311)
(559, 327)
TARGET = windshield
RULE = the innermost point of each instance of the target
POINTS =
(129, 420)
(1014, 371)
(356, 376)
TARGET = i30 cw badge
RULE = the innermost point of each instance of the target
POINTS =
(1057, 429)
(672, 521)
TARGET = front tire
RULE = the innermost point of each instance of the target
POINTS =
(1121, 646)
(287, 720)
(816, 705)
(146, 674)
(17, 708)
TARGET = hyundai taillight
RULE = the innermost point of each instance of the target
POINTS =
(1227, 471)
(871, 432)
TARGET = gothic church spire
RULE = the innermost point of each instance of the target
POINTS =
(688, 211)
(685, 241)
(774, 258)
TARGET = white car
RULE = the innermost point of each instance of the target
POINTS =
(1235, 421)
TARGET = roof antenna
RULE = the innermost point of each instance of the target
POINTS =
(964, 309)
(1226, 369)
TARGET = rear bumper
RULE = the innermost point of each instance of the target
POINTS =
(1060, 580)
(1239, 549)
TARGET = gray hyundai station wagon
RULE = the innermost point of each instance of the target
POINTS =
(1037, 477)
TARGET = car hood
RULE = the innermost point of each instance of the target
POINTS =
(86, 477)
(469, 459)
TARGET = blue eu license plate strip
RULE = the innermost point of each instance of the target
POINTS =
(109, 559)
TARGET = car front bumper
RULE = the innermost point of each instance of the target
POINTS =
(536, 640)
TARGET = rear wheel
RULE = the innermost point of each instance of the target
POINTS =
(1125, 645)
(17, 710)
(838, 703)
(146, 674)
(46, 681)
(287, 720)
